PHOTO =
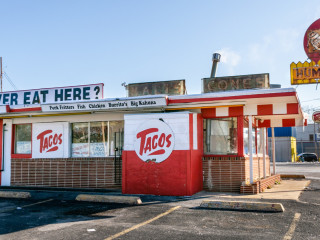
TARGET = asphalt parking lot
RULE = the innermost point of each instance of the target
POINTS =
(57, 215)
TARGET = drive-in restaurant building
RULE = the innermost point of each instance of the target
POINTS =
(157, 140)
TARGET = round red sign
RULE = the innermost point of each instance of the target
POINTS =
(316, 117)
(154, 141)
(311, 41)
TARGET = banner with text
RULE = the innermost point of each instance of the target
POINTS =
(52, 95)
(106, 105)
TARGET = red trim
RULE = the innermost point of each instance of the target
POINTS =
(208, 112)
(172, 101)
(288, 122)
(292, 108)
(235, 111)
(34, 109)
(16, 155)
(21, 155)
(240, 136)
(265, 124)
(266, 109)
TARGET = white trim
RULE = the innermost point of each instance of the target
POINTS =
(195, 131)
(280, 108)
(233, 93)
(250, 109)
(222, 112)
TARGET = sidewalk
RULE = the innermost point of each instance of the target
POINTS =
(288, 189)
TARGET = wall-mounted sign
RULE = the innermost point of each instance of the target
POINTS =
(174, 87)
(50, 140)
(236, 82)
(316, 117)
(154, 141)
(52, 95)
(304, 73)
(106, 105)
(311, 41)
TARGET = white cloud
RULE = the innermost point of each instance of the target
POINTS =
(229, 57)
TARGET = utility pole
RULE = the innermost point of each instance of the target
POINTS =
(1, 72)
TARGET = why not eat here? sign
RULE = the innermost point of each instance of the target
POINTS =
(52, 95)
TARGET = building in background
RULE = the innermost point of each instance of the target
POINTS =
(285, 144)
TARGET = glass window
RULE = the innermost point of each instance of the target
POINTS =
(98, 139)
(22, 139)
(80, 137)
(221, 136)
(116, 137)
(92, 139)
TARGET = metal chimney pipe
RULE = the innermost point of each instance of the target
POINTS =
(215, 59)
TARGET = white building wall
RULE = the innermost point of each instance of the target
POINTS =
(6, 174)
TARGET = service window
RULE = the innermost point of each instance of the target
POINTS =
(22, 138)
(95, 139)
(221, 136)
(98, 139)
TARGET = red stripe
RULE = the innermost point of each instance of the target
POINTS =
(266, 109)
(266, 123)
(235, 111)
(288, 122)
(292, 108)
(34, 109)
(172, 101)
(208, 112)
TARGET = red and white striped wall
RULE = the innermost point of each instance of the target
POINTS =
(272, 108)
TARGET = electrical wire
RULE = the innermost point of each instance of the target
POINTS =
(311, 100)
(10, 81)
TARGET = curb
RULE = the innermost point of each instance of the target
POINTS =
(292, 176)
(6, 194)
(109, 199)
(244, 206)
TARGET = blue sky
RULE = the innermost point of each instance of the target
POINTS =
(63, 43)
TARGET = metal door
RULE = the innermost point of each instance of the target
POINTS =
(118, 140)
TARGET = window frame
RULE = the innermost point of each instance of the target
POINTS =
(239, 139)
(13, 139)
(89, 134)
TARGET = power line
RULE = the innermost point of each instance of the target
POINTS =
(10, 81)
(311, 100)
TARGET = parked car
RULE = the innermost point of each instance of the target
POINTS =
(307, 157)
